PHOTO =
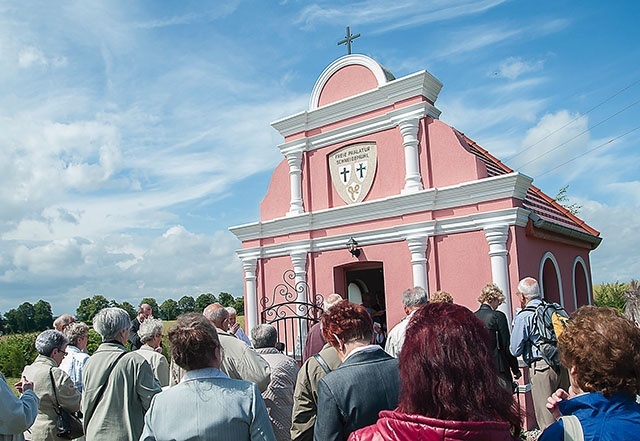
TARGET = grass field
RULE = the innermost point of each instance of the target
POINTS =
(11, 381)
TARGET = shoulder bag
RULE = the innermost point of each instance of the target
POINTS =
(69, 424)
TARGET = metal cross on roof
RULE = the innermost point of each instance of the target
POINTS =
(348, 39)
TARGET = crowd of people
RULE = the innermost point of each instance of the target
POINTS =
(443, 373)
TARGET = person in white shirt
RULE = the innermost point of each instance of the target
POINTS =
(73, 363)
(412, 300)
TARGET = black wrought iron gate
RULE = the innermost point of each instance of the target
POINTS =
(292, 318)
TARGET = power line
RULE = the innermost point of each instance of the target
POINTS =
(573, 120)
(579, 134)
(589, 151)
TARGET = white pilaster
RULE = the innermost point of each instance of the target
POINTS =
(497, 236)
(409, 130)
(299, 261)
(295, 177)
(251, 293)
(418, 248)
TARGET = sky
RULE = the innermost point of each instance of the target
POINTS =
(133, 134)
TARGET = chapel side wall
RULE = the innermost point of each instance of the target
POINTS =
(276, 202)
(531, 250)
(446, 161)
(463, 266)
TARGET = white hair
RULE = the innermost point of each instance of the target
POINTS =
(108, 322)
(231, 310)
(149, 328)
(529, 288)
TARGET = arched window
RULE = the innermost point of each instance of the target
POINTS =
(550, 281)
(581, 285)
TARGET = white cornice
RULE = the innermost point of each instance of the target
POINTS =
(461, 224)
(386, 95)
(513, 185)
(358, 129)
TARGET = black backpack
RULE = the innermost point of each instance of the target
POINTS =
(549, 320)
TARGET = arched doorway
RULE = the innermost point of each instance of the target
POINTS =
(580, 283)
(365, 286)
(550, 279)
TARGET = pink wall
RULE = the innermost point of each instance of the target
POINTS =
(278, 198)
(346, 82)
(446, 161)
(462, 266)
(530, 251)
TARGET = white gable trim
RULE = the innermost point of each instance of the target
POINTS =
(345, 61)
(411, 86)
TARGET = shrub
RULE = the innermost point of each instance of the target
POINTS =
(16, 351)
(611, 294)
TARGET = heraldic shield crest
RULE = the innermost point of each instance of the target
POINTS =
(352, 170)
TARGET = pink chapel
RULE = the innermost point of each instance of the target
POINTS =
(370, 167)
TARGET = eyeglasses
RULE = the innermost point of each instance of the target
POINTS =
(64, 353)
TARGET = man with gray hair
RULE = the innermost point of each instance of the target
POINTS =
(118, 385)
(234, 326)
(240, 361)
(315, 341)
(545, 379)
(412, 300)
(284, 370)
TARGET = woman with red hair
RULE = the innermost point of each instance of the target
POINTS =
(450, 388)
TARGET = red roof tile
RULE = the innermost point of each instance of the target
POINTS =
(536, 200)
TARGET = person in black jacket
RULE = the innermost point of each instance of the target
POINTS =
(490, 298)
(144, 312)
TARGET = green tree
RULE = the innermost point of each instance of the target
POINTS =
(131, 310)
(204, 300)
(26, 313)
(155, 310)
(225, 299)
(3, 323)
(186, 304)
(238, 304)
(169, 309)
(42, 315)
(89, 307)
(12, 324)
(611, 294)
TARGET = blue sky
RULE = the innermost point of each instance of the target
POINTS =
(133, 134)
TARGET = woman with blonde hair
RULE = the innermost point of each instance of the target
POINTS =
(490, 298)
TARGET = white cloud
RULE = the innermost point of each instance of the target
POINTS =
(617, 256)
(399, 14)
(122, 267)
(514, 67)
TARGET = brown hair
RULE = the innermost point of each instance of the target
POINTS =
(604, 347)
(193, 341)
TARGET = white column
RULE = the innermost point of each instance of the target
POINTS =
(418, 249)
(295, 177)
(299, 260)
(409, 130)
(251, 293)
(497, 236)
